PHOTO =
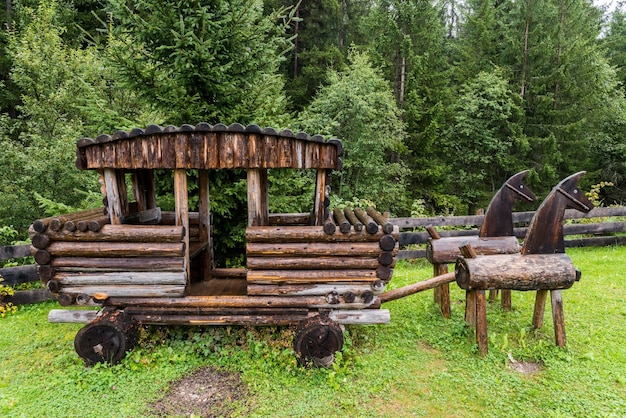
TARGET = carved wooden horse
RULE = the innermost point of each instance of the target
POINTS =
(542, 264)
(497, 223)
(545, 236)
(498, 220)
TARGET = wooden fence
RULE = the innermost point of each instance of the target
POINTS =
(597, 229)
(23, 274)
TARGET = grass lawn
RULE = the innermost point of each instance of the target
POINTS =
(419, 365)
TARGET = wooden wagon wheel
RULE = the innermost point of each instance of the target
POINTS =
(317, 340)
(107, 338)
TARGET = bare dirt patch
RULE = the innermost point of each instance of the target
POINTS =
(524, 367)
(207, 392)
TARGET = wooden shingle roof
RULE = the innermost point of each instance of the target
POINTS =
(208, 147)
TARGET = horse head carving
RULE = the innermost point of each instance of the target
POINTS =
(498, 221)
(545, 233)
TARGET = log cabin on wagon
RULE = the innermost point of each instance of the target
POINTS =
(147, 266)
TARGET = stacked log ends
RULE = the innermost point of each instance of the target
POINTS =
(81, 255)
(350, 269)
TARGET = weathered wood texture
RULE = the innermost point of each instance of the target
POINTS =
(208, 147)
(349, 268)
(117, 260)
(603, 226)
(516, 272)
(445, 251)
(417, 287)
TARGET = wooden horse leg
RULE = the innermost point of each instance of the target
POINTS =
(470, 307)
(557, 317)
(481, 323)
(442, 292)
(540, 305)
(437, 290)
(493, 295)
(506, 299)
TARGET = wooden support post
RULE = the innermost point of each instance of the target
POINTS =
(481, 323)
(470, 307)
(258, 210)
(442, 292)
(204, 213)
(557, 317)
(493, 295)
(143, 189)
(470, 295)
(540, 304)
(182, 213)
(505, 302)
(320, 197)
(436, 290)
(116, 212)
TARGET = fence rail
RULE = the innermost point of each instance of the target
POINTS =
(22, 274)
(600, 228)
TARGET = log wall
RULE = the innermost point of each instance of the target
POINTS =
(347, 266)
(112, 261)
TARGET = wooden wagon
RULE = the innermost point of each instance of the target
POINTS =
(145, 265)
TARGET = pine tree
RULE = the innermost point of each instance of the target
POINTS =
(213, 61)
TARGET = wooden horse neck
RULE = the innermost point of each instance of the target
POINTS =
(545, 233)
(498, 221)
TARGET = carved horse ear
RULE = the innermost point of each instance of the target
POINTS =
(516, 184)
(569, 188)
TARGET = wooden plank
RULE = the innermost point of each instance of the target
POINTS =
(174, 319)
(316, 263)
(361, 317)
(74, 316)
(226, 151)
(133, 291)
(121, 278)
(309, 276)
(312, 302)
(116, 249)
(355, 249)
(313, 289)
(102, 264)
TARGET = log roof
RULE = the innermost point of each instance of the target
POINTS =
(207, 146)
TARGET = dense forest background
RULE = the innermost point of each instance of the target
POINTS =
(437, 102)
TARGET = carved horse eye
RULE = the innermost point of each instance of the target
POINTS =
(521, 186)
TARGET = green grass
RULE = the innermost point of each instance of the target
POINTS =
(419, 365)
